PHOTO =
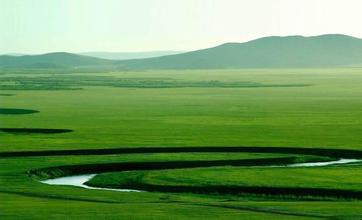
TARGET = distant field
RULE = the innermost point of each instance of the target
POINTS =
(299, 108)
(325, 112)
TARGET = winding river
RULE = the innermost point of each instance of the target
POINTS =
(80, 180)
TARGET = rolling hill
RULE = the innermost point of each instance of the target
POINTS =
(332, 50)
(268, 52)
(53, 60)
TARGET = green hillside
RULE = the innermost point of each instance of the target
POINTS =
(268, 52)
(52, 60)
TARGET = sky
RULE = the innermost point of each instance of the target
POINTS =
(42, 26)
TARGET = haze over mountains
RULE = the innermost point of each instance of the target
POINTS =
(129, 55)
(332, 50)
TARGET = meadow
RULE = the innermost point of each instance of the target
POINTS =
(64, 123)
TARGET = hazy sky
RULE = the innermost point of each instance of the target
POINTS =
(38, 26)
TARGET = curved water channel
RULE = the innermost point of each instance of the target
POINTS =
(80, 180)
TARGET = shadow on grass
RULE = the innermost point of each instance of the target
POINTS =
(60, 171)
(335, 153)
(7, 94)
(16, 111)
(34, 130)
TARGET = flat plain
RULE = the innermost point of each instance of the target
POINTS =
(59, 122)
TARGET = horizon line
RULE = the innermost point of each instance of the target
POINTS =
(170, 50)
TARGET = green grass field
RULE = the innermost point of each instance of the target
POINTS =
(300, 108)
(342, 177)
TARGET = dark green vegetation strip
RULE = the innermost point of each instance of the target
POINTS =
(71, 82)
(336, 153)
(7, 94)
(238, 190)
(34, 130)
(16, 111)
(127, 166)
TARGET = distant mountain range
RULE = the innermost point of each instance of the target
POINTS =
(53, 60)
(14, 54)
(129, 55)
(270, 52)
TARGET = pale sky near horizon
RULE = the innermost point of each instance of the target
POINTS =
(41, 26)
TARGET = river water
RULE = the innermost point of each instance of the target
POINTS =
(79, 180)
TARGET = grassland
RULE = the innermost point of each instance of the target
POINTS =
(322, 178)
(302, 108)
(326, 114)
